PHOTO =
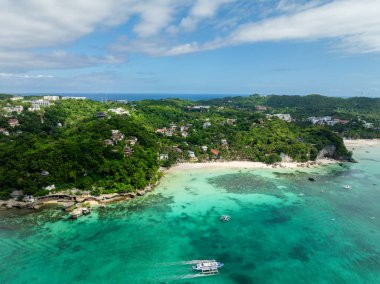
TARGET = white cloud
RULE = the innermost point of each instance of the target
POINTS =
(355, 24)
(24, 76)
(201, 10)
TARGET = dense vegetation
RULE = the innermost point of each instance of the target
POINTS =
(64, 144)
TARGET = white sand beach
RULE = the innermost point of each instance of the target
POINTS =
(250, 165)
(351, 144)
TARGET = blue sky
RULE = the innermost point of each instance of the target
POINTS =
(191, 46)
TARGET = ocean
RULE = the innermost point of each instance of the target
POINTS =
(102, 97)
(283, 229)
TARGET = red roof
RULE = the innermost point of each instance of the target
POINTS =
(215, 152)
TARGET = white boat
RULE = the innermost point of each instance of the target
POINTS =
(225, 218)
(207, 266)
(347, 186)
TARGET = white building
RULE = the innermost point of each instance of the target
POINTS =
(73, 98)
(40, 103)
(164, 157)
(284, 116)
(204, 148)
(119, 111)
(191, 154)
(51, 98)
(17, 98)
(206, 125)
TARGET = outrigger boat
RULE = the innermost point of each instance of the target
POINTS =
(207, 266)
(225, 218)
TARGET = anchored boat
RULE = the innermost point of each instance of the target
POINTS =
(346, 186)
(207, 266)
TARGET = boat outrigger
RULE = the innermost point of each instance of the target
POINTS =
(225, 218)
(207, 266)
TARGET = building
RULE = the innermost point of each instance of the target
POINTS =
(368, 125)
(117, 135)
(17, 98)
(206, 125)
(191, 155)
(204, 148)
(231, 121)
(132, 140)
(101, 115)
(51, 98)
(73, 98)
(4, 131)
(261, 108)
(16, 194)
(127, 151)
(215, 152)
(224, 142)
(50, 187)
(119, 111)
(41, 103)
(198, 108)
(34, 108)
(13, 122)
(164, 157)
(284, 116)
(108, 142)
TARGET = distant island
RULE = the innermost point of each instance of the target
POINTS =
(53, 144)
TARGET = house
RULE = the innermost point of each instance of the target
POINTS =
(224, 142)
(41, 103)
(206, 125)
(17, 98)
(16, 194)
(132, 140)
(101, 115)
(117, 135)
(368, 125)
(184, 134)
(51, 98)
(215, 152)
(119, 111)
(34, 108)
(164, 157)
(173, 126)
(284, 116)
(191, 155)
(261, 108)
(169, 133)
(127, 150)
(44, 173)
(108, 142)
(204, 148)
(29, 198)
(73, 98)
(13, 122)
(198, 108)
(231, 121)
(161, 131)
(50, 187)
(4, 131)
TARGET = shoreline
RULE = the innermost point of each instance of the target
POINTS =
(251, 165)
(103, 199)
(352, 144)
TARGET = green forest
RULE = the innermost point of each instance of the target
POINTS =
(83, 144)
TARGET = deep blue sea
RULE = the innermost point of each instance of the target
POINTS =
(137, 97)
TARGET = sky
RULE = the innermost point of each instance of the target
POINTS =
(292, 47)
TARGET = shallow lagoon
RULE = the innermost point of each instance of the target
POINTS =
(276, 235)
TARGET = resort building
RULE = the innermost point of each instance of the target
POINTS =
(204, 148)
(206, 125)
(4, 131)
(51, 98)
(73, 98)
(13, 122)
(164, 157)
(17, 98)
(117, 135)
(132, 140)
(41, 103)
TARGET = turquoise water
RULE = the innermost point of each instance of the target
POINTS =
(276, 235)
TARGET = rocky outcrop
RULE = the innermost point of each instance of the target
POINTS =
(327, 152)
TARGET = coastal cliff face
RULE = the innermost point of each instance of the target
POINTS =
(330, 151)
(327, 152)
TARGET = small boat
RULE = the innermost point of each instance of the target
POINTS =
(347, 186)
(311, 179)
(225, 218)
(301, 194)
(207, 266)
